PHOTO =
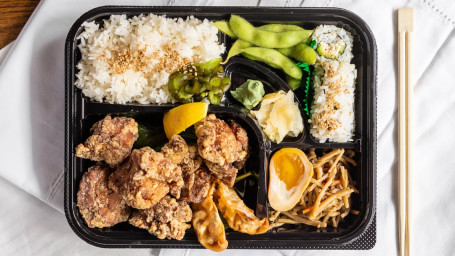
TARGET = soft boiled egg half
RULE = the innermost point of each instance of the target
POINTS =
(290, 172)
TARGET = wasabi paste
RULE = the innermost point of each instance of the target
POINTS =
(249, 93)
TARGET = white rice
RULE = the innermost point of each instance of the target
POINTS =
(331, 34)
(332, 111)
(144, 36)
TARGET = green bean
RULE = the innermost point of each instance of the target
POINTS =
(300, 52)
(223, 26)
(236, 49)
(274, 57)
(244, 30)
(293, 83)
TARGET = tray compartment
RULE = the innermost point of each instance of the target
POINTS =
(241, 69)
(359, 201)
(81, 113)
(253, 191)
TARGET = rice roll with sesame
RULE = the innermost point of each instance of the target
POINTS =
(332, 110)
(332, 42)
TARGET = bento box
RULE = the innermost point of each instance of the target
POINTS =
(354, 232)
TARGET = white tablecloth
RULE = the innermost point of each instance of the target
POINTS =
(32, 129)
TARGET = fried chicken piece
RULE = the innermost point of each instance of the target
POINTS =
(196, 185)
(183, 155)
(176, 149)
(100, 206)
(145, 177)
(222, 145)
(226, 173)
(197, 160)
(242, 137)
(217, 142)
(111, 140)
(166, 219)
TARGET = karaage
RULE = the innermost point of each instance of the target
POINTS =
(145, 177)
(111, 140)
(166, 219)
(100, 206)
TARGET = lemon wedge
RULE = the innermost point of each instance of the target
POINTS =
(290, 172)
(180, 118)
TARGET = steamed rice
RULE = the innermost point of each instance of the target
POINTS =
(130, 60)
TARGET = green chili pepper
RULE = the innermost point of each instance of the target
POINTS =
(215, 97)
(194, 88)
(176, 86)
(209, 65)
(215, 82)
(225, 84)
(205, 79)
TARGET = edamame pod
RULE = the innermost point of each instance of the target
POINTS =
(223, 26)
(293, 83)
(282, 27)
(245, 31)
(300, 52)
(246, 55)
(236, 49)
(274, 57)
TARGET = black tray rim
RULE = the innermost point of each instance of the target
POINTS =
(340, 243)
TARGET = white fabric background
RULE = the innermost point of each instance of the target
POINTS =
(32, 129)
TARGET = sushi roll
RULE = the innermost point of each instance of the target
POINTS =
(332, 110)
(332, 42)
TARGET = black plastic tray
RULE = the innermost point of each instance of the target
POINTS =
(355, 232)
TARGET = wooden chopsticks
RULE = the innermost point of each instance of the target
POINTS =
(405, 92)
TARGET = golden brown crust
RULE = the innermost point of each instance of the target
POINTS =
(176, 149)
(166, 219)
(179, 153)
(145, 177)
(208, 225)
(216, 141)
(223, 147)
(226, 173)
(238, 216)
(100, 206)
(196, 186)
(111, 140)
(242, 137)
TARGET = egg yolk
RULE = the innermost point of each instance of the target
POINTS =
(289, 169)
